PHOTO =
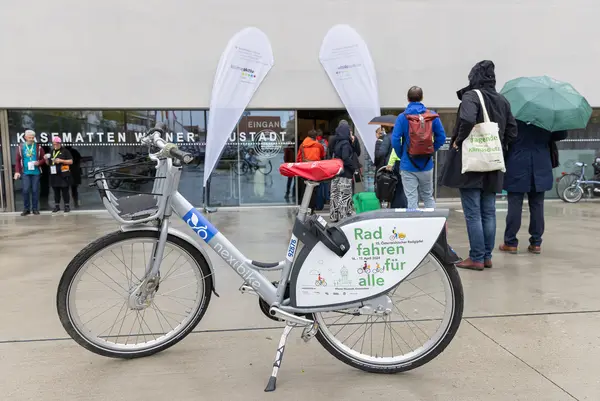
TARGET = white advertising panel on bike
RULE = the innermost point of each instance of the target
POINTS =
(382, 253)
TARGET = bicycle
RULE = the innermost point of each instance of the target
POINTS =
(345, 320)
(246, 164)
(580, 186)
(135, 170)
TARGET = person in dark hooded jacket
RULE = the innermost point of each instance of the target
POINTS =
(478, 190)
(344, 147)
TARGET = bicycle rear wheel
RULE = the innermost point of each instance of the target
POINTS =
(411, 335)
(565, 182)
(95, 303)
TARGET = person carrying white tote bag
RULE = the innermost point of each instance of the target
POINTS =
(482, 150)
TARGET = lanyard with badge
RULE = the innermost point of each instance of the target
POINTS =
(55, 154)
(29, 151)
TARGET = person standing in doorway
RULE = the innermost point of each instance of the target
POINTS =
(323, 188)
(478, 189)
(418, 134)
(344, 148)
(60, 174)
(75, 175)
(383, 148)
(310, 151)
(528, 171)
(290, 188)
(28, 162)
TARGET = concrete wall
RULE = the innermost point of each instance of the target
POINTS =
(163, 53)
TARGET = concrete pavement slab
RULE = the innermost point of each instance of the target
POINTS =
(233, 366)
(562, 347)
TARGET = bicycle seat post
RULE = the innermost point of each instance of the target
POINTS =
(310, 186)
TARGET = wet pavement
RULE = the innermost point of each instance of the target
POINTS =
(531, 328)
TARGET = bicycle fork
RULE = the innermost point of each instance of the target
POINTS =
(143, 294)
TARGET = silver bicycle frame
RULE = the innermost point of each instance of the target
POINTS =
(172, 201)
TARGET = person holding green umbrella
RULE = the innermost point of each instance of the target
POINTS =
(545, 109)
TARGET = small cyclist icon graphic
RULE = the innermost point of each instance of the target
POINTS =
(365, 269)
(320, 281)
(396, 235)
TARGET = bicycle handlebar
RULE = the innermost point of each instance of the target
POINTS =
(154, 137)
(179, 154)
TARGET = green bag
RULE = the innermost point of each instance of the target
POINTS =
(365, 202)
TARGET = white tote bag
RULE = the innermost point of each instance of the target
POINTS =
(482, 150)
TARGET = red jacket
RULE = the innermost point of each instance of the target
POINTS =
(19, 159)
(310, 150)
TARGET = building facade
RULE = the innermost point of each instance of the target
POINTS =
(99, 73)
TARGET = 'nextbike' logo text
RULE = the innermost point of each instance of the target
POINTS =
(239, 266)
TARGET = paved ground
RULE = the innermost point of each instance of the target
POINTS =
(531, 328)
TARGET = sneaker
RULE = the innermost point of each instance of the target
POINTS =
(470, 265)
(508, 249)
(67, 209)
(534, 249)
(56, 209)
(25, 213)
(36, 212)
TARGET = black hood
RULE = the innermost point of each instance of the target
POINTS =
(342, 132)
(482, 76)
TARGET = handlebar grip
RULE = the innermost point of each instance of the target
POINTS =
(178, 154)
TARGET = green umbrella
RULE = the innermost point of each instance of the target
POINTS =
(547, 103)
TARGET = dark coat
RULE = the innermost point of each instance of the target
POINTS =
(481, 77)
(528, 163)
(383, 149)
(344, 149)
(61, 178)
(75, 167)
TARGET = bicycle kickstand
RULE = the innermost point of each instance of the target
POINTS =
(278, 358)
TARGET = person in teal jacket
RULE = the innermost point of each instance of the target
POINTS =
(416, 172)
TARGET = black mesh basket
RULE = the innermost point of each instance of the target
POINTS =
(132, 190)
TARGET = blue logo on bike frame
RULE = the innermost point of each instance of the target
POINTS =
(200, 225)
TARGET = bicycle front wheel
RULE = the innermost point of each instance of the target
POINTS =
(565, 182)
(573, 194)
(427, 310)
(96, 299)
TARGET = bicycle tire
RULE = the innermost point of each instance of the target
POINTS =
(242, 167)
(565, 182)
(457, 290)
(577, 195)
(62, 297)
(267, 168)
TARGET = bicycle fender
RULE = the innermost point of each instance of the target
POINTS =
(183, 236)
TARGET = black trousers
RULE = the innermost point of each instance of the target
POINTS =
(65, 195)
(536, 217)
(288, 189)
(75, 193)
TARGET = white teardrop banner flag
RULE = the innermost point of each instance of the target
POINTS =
(243, 66)
(348, 63)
